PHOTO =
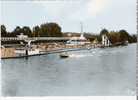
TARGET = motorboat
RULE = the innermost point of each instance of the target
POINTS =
(64, 55)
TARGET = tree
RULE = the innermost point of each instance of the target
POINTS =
(132, 38)
(124, 35)
(36, 31)
(50, 30)
(16, 31)
(27, 31)
(3, 31)
(114, 37)
(104, 31)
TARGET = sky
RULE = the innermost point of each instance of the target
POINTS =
(94, 14)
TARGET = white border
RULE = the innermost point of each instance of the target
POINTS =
(69, 97)
(73, 98)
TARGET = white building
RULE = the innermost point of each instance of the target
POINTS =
(22, 36)
(78, 40)
(105, 40)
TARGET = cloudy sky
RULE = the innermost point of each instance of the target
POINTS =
(94, 14)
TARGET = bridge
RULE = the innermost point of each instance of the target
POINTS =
(4, 39)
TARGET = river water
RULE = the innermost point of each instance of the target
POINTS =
(108, 71)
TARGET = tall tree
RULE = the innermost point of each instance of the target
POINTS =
(104, 31)
(36, 31)
(124, 35)
(3, 31)
(27, 31)
(16, 31)
(50, 30)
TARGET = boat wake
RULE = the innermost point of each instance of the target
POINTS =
(79, 55)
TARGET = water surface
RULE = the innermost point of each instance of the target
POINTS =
(109, 71)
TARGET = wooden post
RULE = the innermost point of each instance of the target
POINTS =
(26, 52)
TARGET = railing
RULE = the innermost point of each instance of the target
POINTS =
(33, 38)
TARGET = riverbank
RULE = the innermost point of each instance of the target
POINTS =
(46, 48)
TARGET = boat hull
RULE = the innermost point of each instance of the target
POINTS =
(30, 52)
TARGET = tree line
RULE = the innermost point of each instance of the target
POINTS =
(54, 30)
(119, 36)
(44, 30)
(114, 36)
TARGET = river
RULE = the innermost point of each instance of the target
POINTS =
(95, 72)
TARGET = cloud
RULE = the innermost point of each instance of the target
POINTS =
(92, 13)
(54, 9)
(75, 10)
(89, 9)
(95, 7)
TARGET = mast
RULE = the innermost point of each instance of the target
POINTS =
(81, 27)
(81, 24)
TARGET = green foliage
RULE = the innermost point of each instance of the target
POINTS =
(120, 37)
(54, 30)
(132, 38)
(27, 31)
(123, 35)
(115, 37)
(16, 31)
(3, 31)
(44, 30)
(104, 31)
(36, 31)
(50, 30)
(90, 37)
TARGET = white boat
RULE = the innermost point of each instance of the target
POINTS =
(27, 50)
(22, 51)
(81, 40)
(77, 42)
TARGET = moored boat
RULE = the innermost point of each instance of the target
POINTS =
(23, 51)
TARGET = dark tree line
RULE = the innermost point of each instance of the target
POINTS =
(115, 36)
(44, 30)
(118, 36)
(54, 30)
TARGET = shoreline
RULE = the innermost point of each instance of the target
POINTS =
(46, 52)
(8, 53)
